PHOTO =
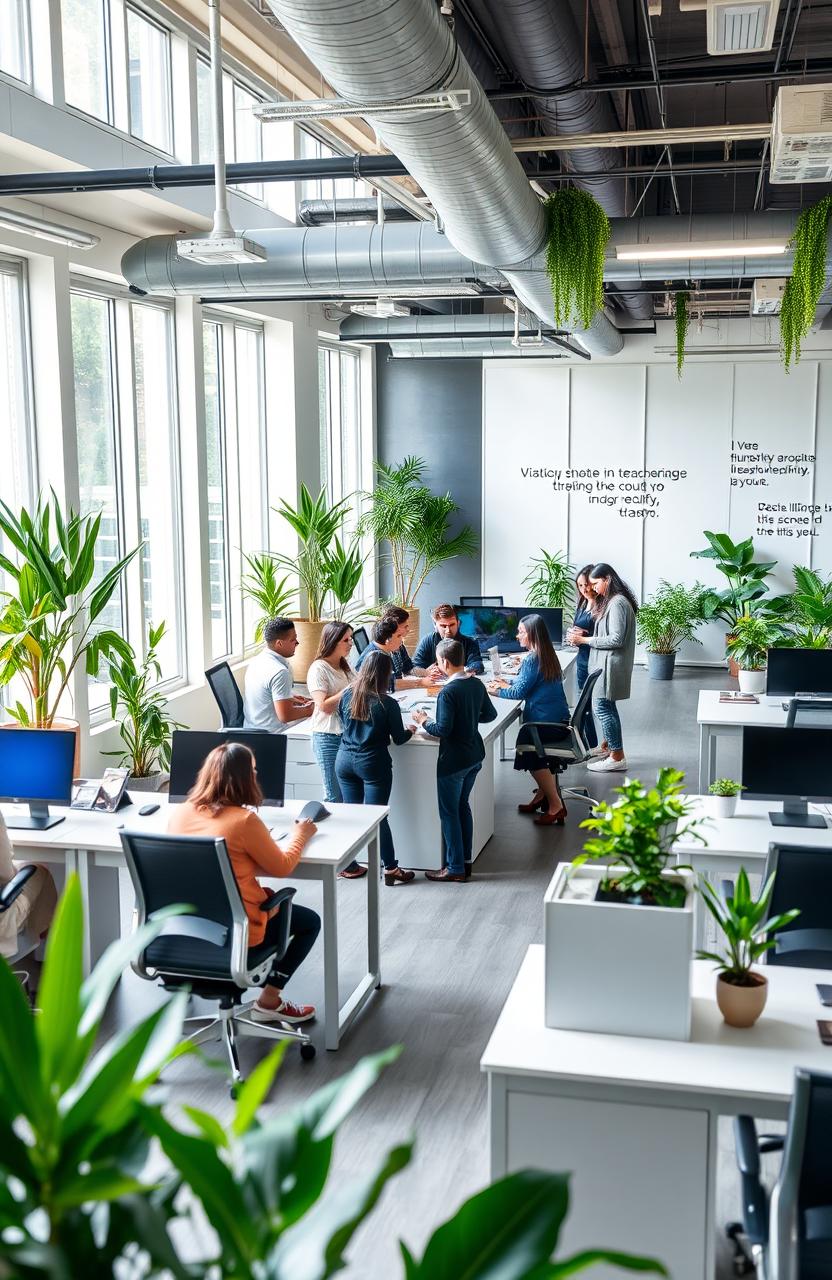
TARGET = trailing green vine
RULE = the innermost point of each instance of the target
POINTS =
(806, 283)
(578, 231)
(682, 322)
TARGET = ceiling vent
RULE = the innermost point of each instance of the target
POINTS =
(741, 26)
(801, 134)
(381, 309)
(767, 296)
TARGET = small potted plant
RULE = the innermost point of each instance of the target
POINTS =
(741, 991)
(722, 797)
(748, 646)
(145, 726)
(667, 620)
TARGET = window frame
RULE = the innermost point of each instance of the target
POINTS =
(25, 48)
(17, 268)
(152, 21)
(331, 348)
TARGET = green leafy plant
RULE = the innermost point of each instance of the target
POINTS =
(750, 642)
(742, 920)
(806, 614)
(550, 582)
(745, 576)
(48, 622)
(101, 1178)
(637, 833)
(807, 280)
(317, 524)
(578, 230)
(145, 724)
(670, 616)
(682, 321)
(403, 512)
(725, 787)
(344, 567)
(274, 599)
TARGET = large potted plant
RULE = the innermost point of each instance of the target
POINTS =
(550, 582)
(413, 521)
(144, 723)
(806, 613)
(619, 938)
(748, 646)
(741, 990)
(745, 576)
(49, 621)
(667, 620)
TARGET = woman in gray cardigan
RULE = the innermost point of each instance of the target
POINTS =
(613, 652)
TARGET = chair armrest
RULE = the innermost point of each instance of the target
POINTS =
(12, 891)
(534, 726)
(794, 940)
(277, 899)
(747, 1146)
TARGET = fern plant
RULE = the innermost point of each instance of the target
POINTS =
(669, 617)
(550, 581)
(578, 230)
(264, 588)
(682, 322)
(807, 280)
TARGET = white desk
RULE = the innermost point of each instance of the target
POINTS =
(635, 1120)
(727, 720)
(89, 842)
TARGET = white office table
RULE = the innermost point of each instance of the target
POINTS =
(635, 1120)
(727, 720)
(89, 842)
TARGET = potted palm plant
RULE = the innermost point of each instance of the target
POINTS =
(550, 581)
(721, 801)
(741, 991)
(144, 723)
(748, 646)
(667, 620)
(745, 576)
(270, 593)
(619, 938)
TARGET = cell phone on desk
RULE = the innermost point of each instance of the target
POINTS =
(825, 1031)
(824, 990)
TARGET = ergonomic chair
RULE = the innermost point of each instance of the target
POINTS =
(571, 749)
(480, 602)
(360, 639)
(809, 713)
(227, 695)
(206, 952)
(27, 942)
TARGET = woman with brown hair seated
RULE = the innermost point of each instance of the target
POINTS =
(221, 804)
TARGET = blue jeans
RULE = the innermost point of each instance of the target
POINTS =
(610, 723)
(367, 778)
(454, 792)
(325, 749)
(588, 727)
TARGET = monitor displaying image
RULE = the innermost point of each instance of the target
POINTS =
(492, 626)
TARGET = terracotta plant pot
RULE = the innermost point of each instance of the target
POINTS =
(742, 1006)
(412, 638)
(733, 669)
(73, 727)
(309, 635)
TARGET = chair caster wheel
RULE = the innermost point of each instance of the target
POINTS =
(307, 1052)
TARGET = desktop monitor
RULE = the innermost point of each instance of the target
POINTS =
(795, 671)
(360, 639)
(36, 766)
(792, 765)
(491, 626)
(190, 748)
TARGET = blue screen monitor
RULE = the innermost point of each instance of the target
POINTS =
(498, 626)
(36, 767)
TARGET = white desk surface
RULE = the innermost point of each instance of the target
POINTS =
(349, 828)
(756, 1064)
(750, 832)
(737, 714)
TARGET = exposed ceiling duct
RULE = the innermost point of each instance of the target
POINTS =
(317, 213)
(498, 334)
(472, 349)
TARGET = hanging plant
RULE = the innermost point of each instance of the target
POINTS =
(578, 231)
(806, 283)
(682, 322)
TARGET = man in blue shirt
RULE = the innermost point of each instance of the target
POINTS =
(446, 623)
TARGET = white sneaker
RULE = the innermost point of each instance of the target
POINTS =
(608, 765)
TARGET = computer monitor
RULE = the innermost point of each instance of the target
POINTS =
(36, 767)
(796, 671)
(191, 747)
(792, 765)
(491, 626)
(360, 639)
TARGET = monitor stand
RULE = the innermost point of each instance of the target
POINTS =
(796, 814)
(39, 819)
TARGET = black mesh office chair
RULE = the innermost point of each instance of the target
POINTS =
(809, 713)
(571, 749)
(206, 952)
(790, 1233)
(360, 639)
(481, 602)
(227, 694)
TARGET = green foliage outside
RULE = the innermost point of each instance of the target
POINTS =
(144, 724)
(807, 281)
(550, 582)
(670, 616)
(578, 230)
(742, 921)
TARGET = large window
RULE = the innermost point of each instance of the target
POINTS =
(86, 38)
(148, 47)
(17, 472)
(15, 45)
(246, 139)
(345, 450)
(326, 188)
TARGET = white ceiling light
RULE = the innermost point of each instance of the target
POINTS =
(381, 309)
(44, 230)
(731, 249)
(332, 108)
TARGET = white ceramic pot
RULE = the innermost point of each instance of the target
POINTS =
(752, 681)
(721, 806)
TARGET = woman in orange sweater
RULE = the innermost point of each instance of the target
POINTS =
(218, 806)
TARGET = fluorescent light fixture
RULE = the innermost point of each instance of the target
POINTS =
(332, 108)
(218, 251)
(43, 230)
(381, 309)
(685, 252)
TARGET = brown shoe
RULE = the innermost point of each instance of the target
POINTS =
(399, 876)
(445, 875)
(353, 872)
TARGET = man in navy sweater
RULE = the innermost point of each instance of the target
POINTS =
(446, 624)
(461, 706)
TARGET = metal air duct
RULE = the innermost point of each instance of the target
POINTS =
(317, 213)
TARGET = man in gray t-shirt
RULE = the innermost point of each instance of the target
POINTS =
(269, 703)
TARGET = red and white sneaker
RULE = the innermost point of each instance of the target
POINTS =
(286, 1011)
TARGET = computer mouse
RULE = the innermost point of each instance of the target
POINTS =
(313, 811)
(147, 809)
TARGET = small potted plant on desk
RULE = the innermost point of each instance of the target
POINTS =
(722, 797)
(749, 646)
(666, 621)
(741, 991)
(145, 726)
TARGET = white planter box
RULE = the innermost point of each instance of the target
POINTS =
(612, 967)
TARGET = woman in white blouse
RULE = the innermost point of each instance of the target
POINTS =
(327, 678)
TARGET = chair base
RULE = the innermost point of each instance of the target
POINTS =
(233, 1022)
(748, 1258)
(580, 794)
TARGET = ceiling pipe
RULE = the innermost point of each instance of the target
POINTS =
(317, 213)
(672, 78)
(615, 140)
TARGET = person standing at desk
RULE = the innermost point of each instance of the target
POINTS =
(613, 653)
(584, 624)
(370, 718)
(387, 638)
(446, 627)
(461, 706)
(269, 703)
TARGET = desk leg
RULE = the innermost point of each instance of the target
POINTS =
(373, 913)
(497, 1105)
(330, 904)
(707, 757)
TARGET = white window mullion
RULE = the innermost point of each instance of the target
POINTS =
(118, 66)
(127, 470)
(233, 475)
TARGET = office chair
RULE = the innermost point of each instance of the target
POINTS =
(570, 750)
(480, 602)
(789, 1235)
(809, 713)
(206, 952)
(360, 639)
(802, 879)
(227, 694)
(27, 941)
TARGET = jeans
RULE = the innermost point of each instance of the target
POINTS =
(588, 726)
(610, 723)
(367, 778)
(454, 791)
(325, 749)
(306, 925)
